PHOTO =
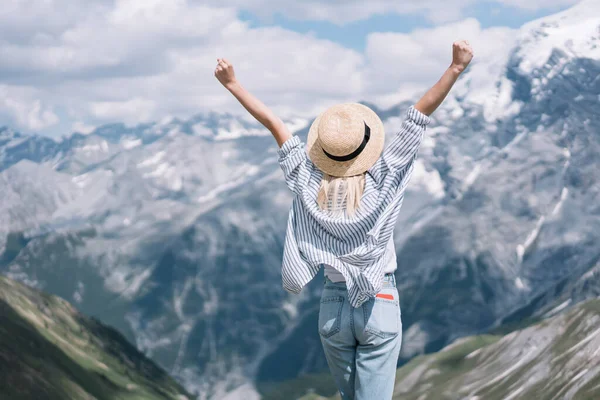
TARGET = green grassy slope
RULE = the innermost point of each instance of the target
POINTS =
(50, 351)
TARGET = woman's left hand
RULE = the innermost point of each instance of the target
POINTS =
(462, 54)
(224, 72)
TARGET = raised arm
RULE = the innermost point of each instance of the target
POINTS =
(401, 152)
(225, 74)
(462, 53)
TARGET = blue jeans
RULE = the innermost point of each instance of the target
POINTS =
(362, 345)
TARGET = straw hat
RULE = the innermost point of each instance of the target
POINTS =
(345, 140)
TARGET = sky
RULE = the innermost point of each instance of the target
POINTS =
(72, 65)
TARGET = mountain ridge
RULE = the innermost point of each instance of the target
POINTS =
(48, 350)
(177, 240)
(555, 357)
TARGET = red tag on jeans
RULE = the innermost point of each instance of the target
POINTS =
(385, 296)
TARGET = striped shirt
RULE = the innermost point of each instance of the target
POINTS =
(353, 245)
(389, 266)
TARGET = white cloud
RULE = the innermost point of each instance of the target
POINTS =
(345, 11)
(537, 4)
(410, 62)
(138, 61)
(100, 61)
(25, 108)
(128, 111)
(82, 127)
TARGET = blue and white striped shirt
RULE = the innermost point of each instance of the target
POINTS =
(354, 245)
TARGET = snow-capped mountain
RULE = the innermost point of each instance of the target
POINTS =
(173, 231)
(164, 232)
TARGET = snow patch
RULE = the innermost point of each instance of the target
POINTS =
(200, 129)
(162, 170)
(520, 285)
(522, 248)
(579, 375)
(456, 113)
(177, 184)
(249, 170)
(437, 130)
(500, 104)
(179, 298)
(15, 142)
(94, 148)
(470, 179)
(591, 273)
(296, 124)
(79, 291)
(534, 234)
(82, 127)
(515, 393)
(81, 180)
(130, 143)
(473, 353)
(573, 31)
(558, 308)
(290, 309)
(563, 196)
(237, 130)
(136, 282)
(155, 159)
(580, 344)
(127, 282)
(174, 131)
(166, 120)
(246, 392)
(525, 358)
(430, 181)
(211, 303)
(416, 339)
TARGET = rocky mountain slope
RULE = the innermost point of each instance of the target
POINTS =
(50, 351)
(556, 358)
(173, 231)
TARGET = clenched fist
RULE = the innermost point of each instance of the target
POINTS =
(224, 72)
(462, 54)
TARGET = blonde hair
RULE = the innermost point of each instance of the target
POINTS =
(341, 193)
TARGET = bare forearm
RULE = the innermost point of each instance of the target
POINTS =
(225, 74)
(259, 111)
(254, 106)
(436, 95)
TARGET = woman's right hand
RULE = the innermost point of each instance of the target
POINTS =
(462, 54)
(224, 72)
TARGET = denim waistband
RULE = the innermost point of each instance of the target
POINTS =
(389, 280)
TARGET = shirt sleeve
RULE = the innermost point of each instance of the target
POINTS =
(293, 162)
(405, 144)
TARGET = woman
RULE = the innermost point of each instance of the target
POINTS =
(348, 191)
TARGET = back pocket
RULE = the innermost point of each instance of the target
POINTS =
(330, 315)
(382, 315)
